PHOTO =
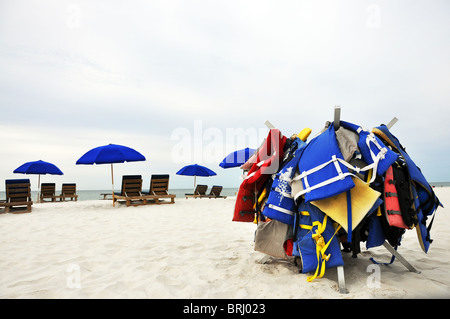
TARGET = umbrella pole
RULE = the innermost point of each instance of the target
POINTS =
(195, 177)
(112, 181)
(39, 188)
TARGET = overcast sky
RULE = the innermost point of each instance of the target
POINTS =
(178, 80)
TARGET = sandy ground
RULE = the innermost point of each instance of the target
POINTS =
(191, 249)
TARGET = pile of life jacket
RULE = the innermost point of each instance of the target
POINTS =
(342, 187)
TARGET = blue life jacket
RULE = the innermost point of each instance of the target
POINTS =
(376, 236)
(325, 173)
(316, 243)
(425, 201)
(373, 150)
(428, 199)
(322, 174)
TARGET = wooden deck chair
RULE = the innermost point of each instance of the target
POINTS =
(47, 192)
(199, 192)
(131, 191)
(215, 192)
(68, 190)
(127, 181)
(18, 196)
(159, 187)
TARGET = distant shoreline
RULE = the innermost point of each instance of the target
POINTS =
(434, 184)
(440, 184)
(93, 194)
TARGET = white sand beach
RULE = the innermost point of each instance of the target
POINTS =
(190, 249)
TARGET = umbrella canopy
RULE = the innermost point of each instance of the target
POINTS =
(196, 170)
(237, 158)
(110, 154)
(38, 168)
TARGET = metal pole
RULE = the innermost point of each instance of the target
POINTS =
(337, 117)
(405, 263)
(391, 123)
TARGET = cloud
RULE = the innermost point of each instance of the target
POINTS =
(77, 74)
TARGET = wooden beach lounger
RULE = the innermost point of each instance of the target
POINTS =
(159, 187)
(47, 192)
(18, 196)
(68, 190)
(131, 192)
(215, 192)
(199, 192)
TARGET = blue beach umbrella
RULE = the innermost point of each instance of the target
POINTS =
(196, 170)
(110, 154)
(38, 168)
(237, 158)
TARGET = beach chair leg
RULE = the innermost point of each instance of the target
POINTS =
(341, 279)
(400, 258)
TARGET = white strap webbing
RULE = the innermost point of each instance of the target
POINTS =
(261, 163)
(281, 209)
(249, 175)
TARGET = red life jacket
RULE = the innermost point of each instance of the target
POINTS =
(243, 208)
(391, 203)
(268, 161)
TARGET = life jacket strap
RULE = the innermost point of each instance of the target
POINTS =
(340, 175)
(281, 209)
(393, 212)
(321, 248)
(390, 194)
